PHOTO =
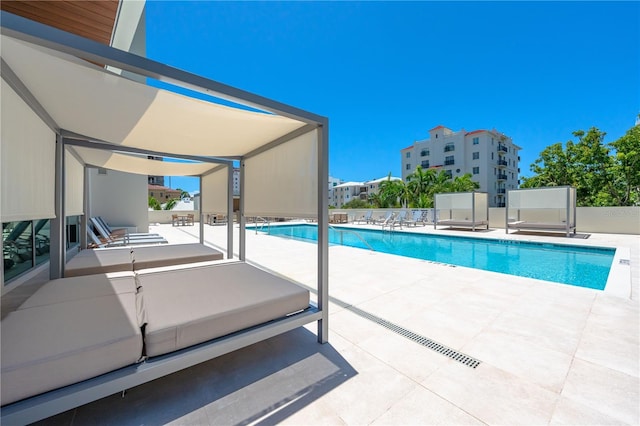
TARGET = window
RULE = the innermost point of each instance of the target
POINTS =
(476, 155)
(492, 155)
(25, 245)
(448, 173)
(424, 153)
(425, 164)
(449, 160)
(449, 147)
(73, 232)
(476, 141)
(408, 154)
(476, 170)
(408, 167)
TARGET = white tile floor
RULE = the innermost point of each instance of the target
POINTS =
(550, 353)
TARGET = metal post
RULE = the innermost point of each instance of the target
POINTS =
(323, 231)
(568, 224)
(243, 223)
(230, 211)
(201, 211)
(506, 212)
(84, 219)
(58, 231)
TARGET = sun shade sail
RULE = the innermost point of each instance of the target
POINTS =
(26, 153)
(87, 100)
(136, 164)
(214, 191)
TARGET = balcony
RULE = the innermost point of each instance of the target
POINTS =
(502, 176)
(502, 190)
(502, 163)
(501, 204)
(449, 162)
(502, 148)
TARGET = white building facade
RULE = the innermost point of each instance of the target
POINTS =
(489, 156)
(342, 193)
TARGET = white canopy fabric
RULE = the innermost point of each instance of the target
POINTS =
(214, 191)
(134, 164)
(88, 100)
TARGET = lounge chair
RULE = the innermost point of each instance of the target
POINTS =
(398, 220)
(385, 219)
(101, 242)
(366, 218)
(121, 232)
(114, 239)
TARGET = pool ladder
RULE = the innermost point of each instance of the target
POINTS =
(263, 222)
(349, 231)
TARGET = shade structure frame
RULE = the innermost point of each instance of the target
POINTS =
(49, 38)
(33, 32)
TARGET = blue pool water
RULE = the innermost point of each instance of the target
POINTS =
(579, 266)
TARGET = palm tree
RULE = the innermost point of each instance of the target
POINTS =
(392, 193)
(418, 184)
(170, 204)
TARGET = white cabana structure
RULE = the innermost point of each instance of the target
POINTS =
(63, 114)
(542, 209)
(461, 210)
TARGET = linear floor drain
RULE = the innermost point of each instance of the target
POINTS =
(424, 341)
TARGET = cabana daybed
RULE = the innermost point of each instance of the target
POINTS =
(461, 210)
(78, 339)
(550, 209)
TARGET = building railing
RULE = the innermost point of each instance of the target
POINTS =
(502, 163)
(502, 176)
(502, 148)
(502, 190)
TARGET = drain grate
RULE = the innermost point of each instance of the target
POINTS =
(625, 261)
(424, 341)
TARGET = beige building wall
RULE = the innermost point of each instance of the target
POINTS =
(120, 198)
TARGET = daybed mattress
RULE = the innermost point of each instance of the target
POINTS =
(84, 287)
(99, 261)
(539, 225)
(63, 343)
(190, 306)
(461, 222)
(176, 254)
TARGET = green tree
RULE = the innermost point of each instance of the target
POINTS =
(603, 174)
(625, 185)
(154, 204)
(169, 205)
(356, 203)
(463, 183)
(392, 193)
(418, 185)
(183, 193)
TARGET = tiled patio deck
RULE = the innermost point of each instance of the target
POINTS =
(550, 353)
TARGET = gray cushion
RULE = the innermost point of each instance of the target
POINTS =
(174, 254)
(99, 261)
(189, 306)
(83, 287)
(50, 346)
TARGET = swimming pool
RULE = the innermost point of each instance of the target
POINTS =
(579, 266)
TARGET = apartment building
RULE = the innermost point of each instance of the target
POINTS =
(344, 192)
(489, 156)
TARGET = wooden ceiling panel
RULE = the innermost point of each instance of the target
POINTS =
(90, 19)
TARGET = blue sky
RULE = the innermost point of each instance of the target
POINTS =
(387, 72)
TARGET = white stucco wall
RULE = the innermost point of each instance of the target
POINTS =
(120, 198)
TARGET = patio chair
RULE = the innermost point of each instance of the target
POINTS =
(190, 219)
(366, 218)
(387, 220)
(121, 232)
(415, 218)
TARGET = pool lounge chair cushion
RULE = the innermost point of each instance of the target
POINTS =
(50, 346)
(190, 306)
